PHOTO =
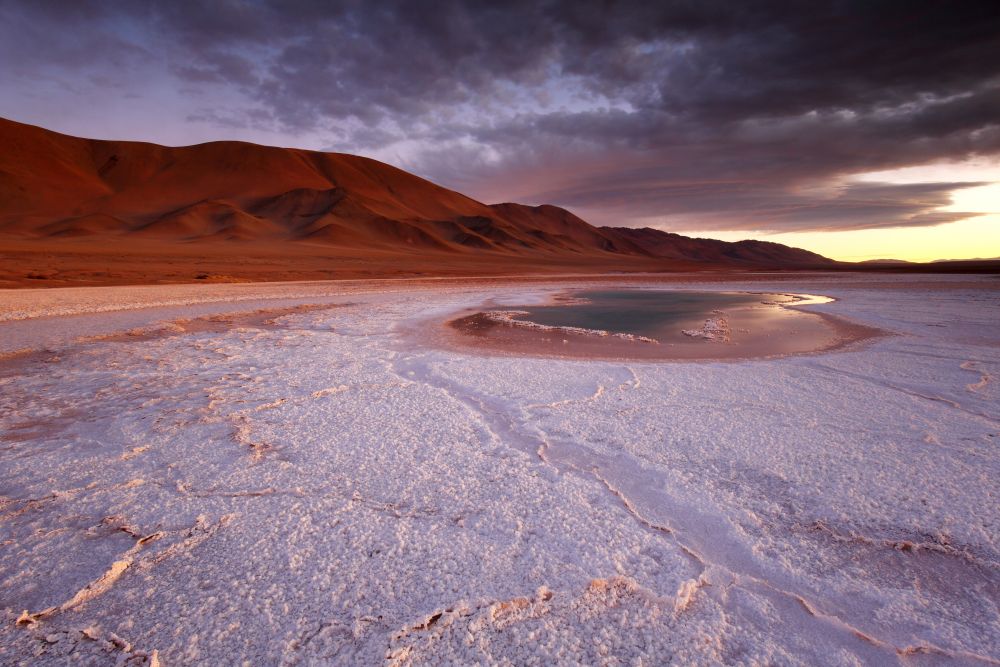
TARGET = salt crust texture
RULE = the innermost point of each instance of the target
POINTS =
(319, 489)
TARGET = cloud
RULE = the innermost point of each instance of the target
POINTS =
(717, 113)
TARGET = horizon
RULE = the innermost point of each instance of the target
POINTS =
(709, 122)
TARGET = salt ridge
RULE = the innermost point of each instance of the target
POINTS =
(511, 318)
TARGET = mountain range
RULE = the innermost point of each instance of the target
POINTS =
(86, 211)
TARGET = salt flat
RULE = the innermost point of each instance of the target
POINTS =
(330, 486)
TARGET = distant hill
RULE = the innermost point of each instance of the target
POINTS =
(63, 196)
(756, 253)
(885, 261)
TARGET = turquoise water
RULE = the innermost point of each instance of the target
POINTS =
(640, 312)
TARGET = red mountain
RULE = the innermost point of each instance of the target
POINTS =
(233, 208)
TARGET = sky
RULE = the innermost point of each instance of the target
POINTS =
(859, 130)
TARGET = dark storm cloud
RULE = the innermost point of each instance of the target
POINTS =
(738, 115)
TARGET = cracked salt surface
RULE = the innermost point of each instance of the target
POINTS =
(320, 490)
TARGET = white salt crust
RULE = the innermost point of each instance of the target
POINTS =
(324, 490)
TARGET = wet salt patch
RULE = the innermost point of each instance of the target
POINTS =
(755, 330)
